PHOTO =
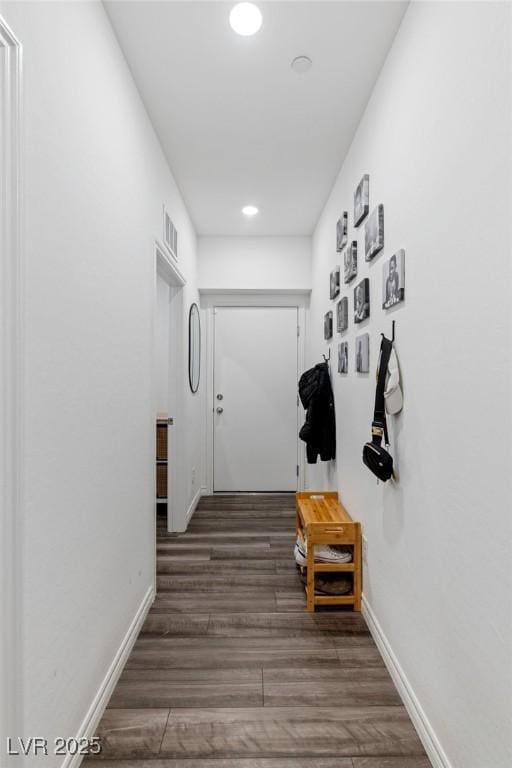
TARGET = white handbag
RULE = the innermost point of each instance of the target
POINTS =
(393, 397)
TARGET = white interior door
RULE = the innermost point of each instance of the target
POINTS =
(255, 399)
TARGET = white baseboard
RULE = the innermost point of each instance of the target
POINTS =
(101, 699)
(192, 507)
(428, 738)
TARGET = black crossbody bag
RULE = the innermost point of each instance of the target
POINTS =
(377, 458)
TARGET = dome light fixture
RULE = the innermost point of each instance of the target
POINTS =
(250, 210)
(245, 19)
(301, 64)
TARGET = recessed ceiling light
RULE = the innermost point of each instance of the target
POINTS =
(301, 64)
(245, 19)
(250, 210)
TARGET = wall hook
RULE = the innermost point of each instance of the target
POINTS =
(326, 359)
(392, 332)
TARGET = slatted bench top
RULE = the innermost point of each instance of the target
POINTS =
(321, 509)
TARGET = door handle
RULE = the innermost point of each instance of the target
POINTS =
(220, 410)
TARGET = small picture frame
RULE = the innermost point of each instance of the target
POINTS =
(342, 315)
(342, 231)
(334, 283)
(363, 353)
(393, 280)
(328, 325)
(362, 200)
(343, 357)
(350, 262)
(362, 301)
(374, 233)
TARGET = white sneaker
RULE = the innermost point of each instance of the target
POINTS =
(323, 553)
(299, 556)
(328, 554)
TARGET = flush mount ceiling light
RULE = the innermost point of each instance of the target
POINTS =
(301, 64)
(245, 19)
(250, 210)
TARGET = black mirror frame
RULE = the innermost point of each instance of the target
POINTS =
(192, 307)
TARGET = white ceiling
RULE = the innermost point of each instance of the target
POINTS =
(237, 124)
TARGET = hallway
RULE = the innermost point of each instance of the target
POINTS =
(203, 203)
(231, 672)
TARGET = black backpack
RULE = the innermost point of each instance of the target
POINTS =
(377, 458)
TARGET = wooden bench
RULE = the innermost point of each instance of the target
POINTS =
(322, 519)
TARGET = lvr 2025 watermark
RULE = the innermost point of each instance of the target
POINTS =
(38, 745)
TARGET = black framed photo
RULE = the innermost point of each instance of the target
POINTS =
(328, 325)
(362, 200)
(334, 283)
(393, 280)
(363, 353)
(350, 262)
(362, 301)
(342, 231)
(342, 315)
(343, 357)
(374, 233)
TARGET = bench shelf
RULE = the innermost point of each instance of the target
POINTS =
(322, 519)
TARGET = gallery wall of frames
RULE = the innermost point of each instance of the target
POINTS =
(352, 296)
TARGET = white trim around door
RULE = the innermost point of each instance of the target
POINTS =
(12, 383)
(210, 300)
(168, 270)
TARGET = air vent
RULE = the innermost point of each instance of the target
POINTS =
(170, 235)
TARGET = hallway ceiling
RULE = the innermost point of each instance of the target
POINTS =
(237, 124)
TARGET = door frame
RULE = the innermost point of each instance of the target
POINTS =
(167, 268)
(12, 402)
(210, 301)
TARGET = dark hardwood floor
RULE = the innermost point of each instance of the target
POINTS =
(230, 671)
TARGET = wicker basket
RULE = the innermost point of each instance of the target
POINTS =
(161, 442)
(161, 481)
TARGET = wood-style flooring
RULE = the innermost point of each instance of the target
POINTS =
(230, 671)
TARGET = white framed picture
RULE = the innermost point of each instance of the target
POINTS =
(328, 325)
(362, 200)
(374, 233)
(342, 315)
(363, 353)
(343, 357)
(350, 262)
(362, 301)
(342, 231)
(334, 283)
(393, 280)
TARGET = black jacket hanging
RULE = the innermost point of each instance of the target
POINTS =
(319, 431)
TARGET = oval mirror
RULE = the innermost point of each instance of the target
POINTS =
(194, 347)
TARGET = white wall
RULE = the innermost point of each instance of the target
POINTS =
(95, 182)
(435, 139)
(264, 263)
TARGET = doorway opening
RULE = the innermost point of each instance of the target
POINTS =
(168, 387)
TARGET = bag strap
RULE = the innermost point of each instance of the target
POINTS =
(379, 425)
